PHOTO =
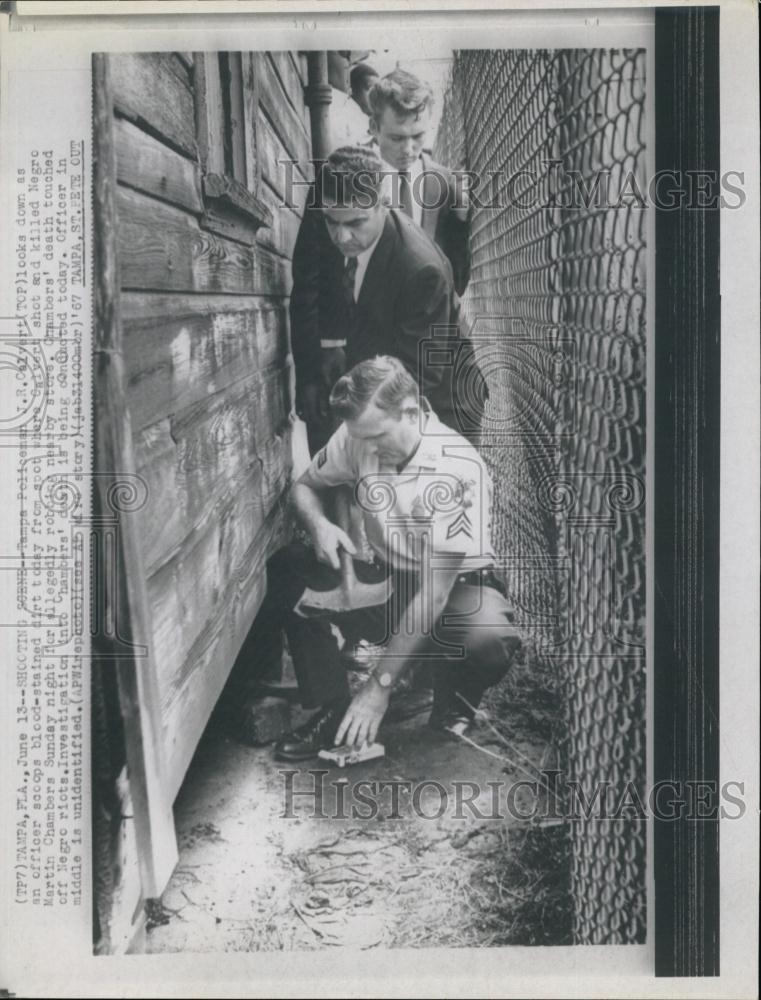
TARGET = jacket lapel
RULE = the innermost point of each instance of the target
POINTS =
(431, 197)
(376, 276)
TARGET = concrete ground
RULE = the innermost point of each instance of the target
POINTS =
(260, 870)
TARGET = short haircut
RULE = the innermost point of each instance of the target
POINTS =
(351, 177)
(401, 91)
(382, 380)
(360, 74)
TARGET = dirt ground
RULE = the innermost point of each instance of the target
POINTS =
(260, 870)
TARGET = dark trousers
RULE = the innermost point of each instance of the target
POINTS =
(319, 433)
(469, 648)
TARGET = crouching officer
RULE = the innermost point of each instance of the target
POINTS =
(425, 495)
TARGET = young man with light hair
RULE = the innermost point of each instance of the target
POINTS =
(425, 494)
(400, 120)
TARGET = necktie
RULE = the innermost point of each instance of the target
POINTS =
(406, 193)
(349, 275)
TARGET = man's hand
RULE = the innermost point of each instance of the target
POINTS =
(363, 717)
(327, 539)
(312, 404)
(333, 365)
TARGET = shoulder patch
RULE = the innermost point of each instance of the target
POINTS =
(460, 526)
(322, 457)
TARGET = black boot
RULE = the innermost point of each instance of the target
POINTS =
(317, 733)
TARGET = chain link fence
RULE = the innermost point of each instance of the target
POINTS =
(555, 144)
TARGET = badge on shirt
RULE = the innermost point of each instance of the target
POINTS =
(322, 458)
(465, 491)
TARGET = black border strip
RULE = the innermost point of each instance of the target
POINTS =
(686, 528)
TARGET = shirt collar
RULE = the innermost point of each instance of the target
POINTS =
(434, 435)
(416, 168)
(414, 171)
(363, 258)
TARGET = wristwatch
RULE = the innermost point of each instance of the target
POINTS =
(384, 678)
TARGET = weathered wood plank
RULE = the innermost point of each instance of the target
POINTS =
(279, 174)
(191, 515)
(178, 351)
(127, 605)
(144, 163)
(226, 191)
(191, 699)
(186, 589)
(251, 118)
(148, 90)
(201, 109)
(190, 459)
(281, 235)
(290, 126)
(227, 222)
(210, 112)
(232, 210)
(271, 152)
(237, 503)
(237, 116)
(290, 82)
(163, 249)
(272, 274)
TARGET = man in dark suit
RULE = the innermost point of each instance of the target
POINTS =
(367, 281)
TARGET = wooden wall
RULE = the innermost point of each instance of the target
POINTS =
(203, 249)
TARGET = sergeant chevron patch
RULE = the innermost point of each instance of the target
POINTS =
(460, 526)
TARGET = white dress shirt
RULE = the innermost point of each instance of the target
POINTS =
(363, 259)
(416, 186)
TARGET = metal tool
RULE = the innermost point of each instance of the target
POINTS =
(351, 594)
(353, 755)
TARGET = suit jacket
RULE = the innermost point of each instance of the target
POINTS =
(441, 224)
(407, 296)
(438, 195)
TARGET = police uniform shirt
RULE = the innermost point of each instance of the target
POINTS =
(442, 497)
